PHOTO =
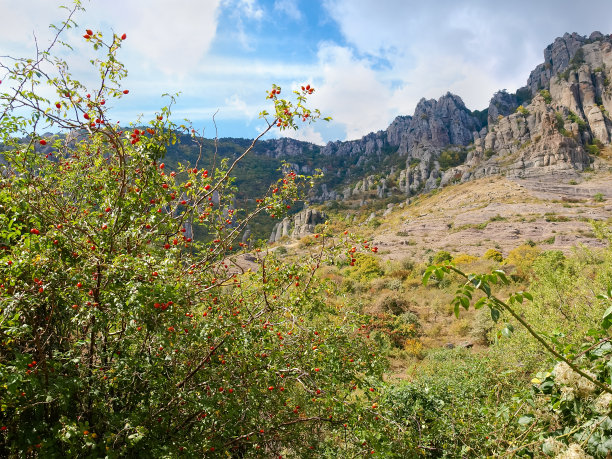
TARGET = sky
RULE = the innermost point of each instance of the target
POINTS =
(369, 61)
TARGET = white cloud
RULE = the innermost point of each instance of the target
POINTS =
(288, 7)
(305, 133)
(250, 8)
(237, 107)
(350, 91)
(498, 45)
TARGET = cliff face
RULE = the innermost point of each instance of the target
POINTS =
(552, 126)
(564, 121)
(547, 127)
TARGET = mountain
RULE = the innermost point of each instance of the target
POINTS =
(552, 128)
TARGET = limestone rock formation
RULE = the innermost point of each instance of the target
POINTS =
(299, 225)
(502, 104)
(546, 127)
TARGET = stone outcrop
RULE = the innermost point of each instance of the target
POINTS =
(299, 225)
(502, 104)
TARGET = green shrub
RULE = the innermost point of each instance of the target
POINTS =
(546, 95)
(494, 255)
(121, 335)
(441, 257)
(451, 158)
(593, 149)
(366, 267)
(522, 258)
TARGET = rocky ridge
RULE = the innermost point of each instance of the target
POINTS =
(552, 126)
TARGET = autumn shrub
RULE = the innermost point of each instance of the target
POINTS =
(397, 328)
(494, 255)
(522, 258)
(464, 259)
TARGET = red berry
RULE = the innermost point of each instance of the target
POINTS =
(123, 37)
(125, 91)
(43, 142)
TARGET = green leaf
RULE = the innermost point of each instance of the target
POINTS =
(527, 419)
(480, 303)
(502, 276)
(427, 275)
(495, 314)
(519, 297)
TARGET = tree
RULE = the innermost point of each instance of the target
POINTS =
(122, 335)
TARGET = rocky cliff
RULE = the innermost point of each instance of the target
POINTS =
(299, 225)
(553, 125)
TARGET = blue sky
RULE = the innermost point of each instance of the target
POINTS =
(369, 60)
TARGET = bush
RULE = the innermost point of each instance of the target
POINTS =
(451, 158)
(397, 328)
(522, 258)
(494, 255)
(464, 259)
(546, 95)
(441, 257)
(122, 333)
(366, 267)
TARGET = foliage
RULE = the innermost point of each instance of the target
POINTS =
(494, 255)
(121, 333)
(452, 158)
(522, 110)
(546, 95)
(464, 259)
(570, 406)
(522, 258)
(523, 96)
(450, 409)
(395, 303)
(398, 328)
(582, 125)
(593, 149)
(441, 256)
(364, 267)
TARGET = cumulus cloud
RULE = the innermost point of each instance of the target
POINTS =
(289, 7)
(460, 46)
(307, 134)
(349, 90)
(172, 40)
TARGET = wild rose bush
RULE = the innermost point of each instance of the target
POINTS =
(122, 335)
